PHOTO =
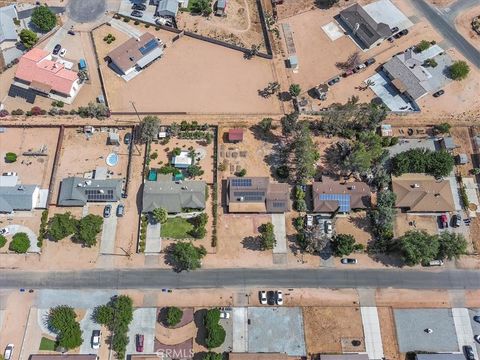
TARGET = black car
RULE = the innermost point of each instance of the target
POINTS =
(71, 32)
(136, 13)
(403, 32)
(56, 49)
(439, 93)
(127, 139)
(469, 355)
(139, 7)
(456, 220)
(394, 29)
(271, 298)
(369, 62)
(349, 261)
(107, 211)
(333, 81)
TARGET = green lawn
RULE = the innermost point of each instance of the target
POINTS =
(47, 344)
(176, 228)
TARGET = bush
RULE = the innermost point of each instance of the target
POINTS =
(242, 173)
(44, 18)
(3, 113)
(300, 205)
(422, 46)
(61, 225)
(3, 241)
(174, 316)
(344, 245)
(136, 22)
(215, 333)
(10, 157)
(459, 70)
(430, 63)
(160, 215)
(28, 38)
(18, 112)
(20, 243)
(443, 128)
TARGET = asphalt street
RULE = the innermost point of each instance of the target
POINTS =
(444, 25)
(245, 278)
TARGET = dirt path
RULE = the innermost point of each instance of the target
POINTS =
(175, 336)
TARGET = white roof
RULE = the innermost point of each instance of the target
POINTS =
(8, 180)
(182, 159)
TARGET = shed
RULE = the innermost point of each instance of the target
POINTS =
(235, 135)
(182, 161)
(162, 133)
(293, 61)
(221, 6)
(448, 143)
(461, 159)
(113, 138)
(88, 129)
(386, 130)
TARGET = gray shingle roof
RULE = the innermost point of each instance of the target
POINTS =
(15, 198)
(167, 7)
(173, 196)
(77, 191)
(398, 70)
(440, 357)
(7, 26)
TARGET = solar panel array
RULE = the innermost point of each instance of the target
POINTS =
(26, 94)
(149, 46)
(241, 182)
(250, 195)
(277, 204)
(96, 195)
(342, 199)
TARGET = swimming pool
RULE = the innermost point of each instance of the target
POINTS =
(112, 159)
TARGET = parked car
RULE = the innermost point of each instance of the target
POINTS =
(348, 73)
(403, 32)
(127, 139)
(435, 263)
(96, 336)
(139, 7)
(63, 52)
(271, 298)
(163, 21)
(477, 338)
(349, 261)
(56, 49)
(394, 29)
(120, 210)
(443, 221)
(476, 318)
(279, 297)
(224, 315)
(71, 32)
(439, 93)
(370, 61)
(333, 81)
(309, 220)
(328, 227)
(136, 13)
(107, 210)
(359, 68)
(10, 173)
(391, 39)
(467, 349)
(7, 355)
(456, 220)
(4, 231)
(139, 342)
(263, 297)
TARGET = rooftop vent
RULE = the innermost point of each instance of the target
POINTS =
(415, 186)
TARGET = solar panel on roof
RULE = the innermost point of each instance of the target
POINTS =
(26, 94)
(96, 195)
(277, 204)
(342, 199)
(149, 46)
(241, 182)
(249, 193)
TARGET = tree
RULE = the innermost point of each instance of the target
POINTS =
(265, 125)
(451, 245)
(267, 236)
(88, 228)
(20, 243)
(288, 123)
(203, 7)
(194, 171)
(422, 46)
(294, 90)
(61, 320)
(313, 239)
(93, 110)
(160, 215)
(436, 163)
(459, 70)
(187, 256)
(381, 219)
(418, 247)
(305, 153)
(174, 316)
(103, 314)
(352, 61)
(149, 128)
(28, 38)
(44, 18)
(61, 225)
(3, 241)
(215, 333)
(212, 356)
(343, 245)
(10, 157)
(440, 163)
(242, 173)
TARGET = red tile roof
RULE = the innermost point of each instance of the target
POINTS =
(235, 134)
(34, 67)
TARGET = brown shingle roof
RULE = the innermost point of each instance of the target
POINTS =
(128, 54)
(422, 193)
(359, 195)
(235, 135)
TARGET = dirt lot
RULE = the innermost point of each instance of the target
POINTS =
(332, 329)
(461, 136)
(355, 224)
(389, 336)
(463, 23)
(403, 223)
(30, 169)
(240, 27)
(190, 78)
(291, 8)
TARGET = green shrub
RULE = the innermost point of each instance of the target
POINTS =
(10, 157)
(44, 18)
(174, 316)
(422, 46)
(459, 70)
(3, 241)
(20, 243)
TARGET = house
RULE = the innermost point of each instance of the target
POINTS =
(8, 32)
(364, 27)
(45, 73)
(20, 198)
(257, 356)
(334, 196)
(344, 357)
(77, 191)
(135, 54)
(422, 193)
(257, 195)
(440, 357)
(183, 160)
(221, 7)
(235, 135)
(63, 357)
(173, 196)
(168, 7)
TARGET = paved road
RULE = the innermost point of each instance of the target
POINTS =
(288, 278)
(443, 24)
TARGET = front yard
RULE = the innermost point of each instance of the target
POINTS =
(176, 228)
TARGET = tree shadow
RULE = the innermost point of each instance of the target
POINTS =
(362, 223)
(325, 4)
(260, 134)
(202, 331)
(252, 243)
(169, 259)
(162, 316)
(284, 96)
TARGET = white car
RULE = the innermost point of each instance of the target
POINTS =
(263, 297)
(7, 355)
(4, 231)
(328, 227)
(309, 220)
(224, 315)
(279, 298)
(63, 52)
(163, 21)
(10, 173)
(96, 337)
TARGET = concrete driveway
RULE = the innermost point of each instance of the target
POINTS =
(14, 229)
(143, 322)
(107, 244)
(87, 325)
(153, 242)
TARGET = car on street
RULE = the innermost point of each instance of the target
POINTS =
(349, 261)
(309, 220)
(348, 73)
(127, 139)
(10, 173)
(139, 342)
(7, 355)
(96, 336)
(63, 52)
(328, 227)
(271, 298)
(263, 297)
(333, 81)
(56, 49)
(469, 355)
(443, 221)
(279, 297)
(120, 210)
(136, 13)
(139, 7)
(4, 231)
(224, 315)
(456, 220)
(439, 93)
(107, 211)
